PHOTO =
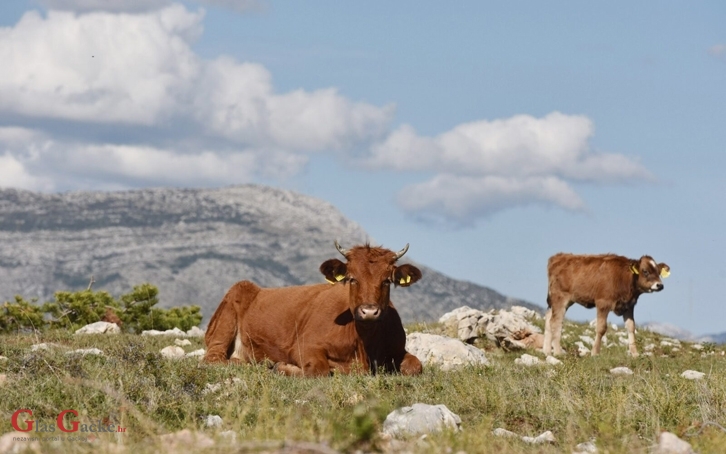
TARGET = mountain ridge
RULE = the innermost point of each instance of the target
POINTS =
(194, 244)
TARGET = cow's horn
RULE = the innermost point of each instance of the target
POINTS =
(341, 250)
(400, 253)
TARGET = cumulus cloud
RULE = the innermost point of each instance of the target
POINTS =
(185, 117)
(486, 166)
(104, 5)
(237, 5)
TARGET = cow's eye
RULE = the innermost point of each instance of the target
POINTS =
(352, 280)
(646, 273)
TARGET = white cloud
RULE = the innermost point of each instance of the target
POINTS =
(14, 175)
(460, 200)
(237, 5)
(99, 67)
(104, 5)
(486, 166)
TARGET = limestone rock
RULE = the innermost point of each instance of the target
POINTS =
(693, 375)
(444, 352)
(99, 328)
(420, 419)
(172, 351)
(621, 371)
(669, 443)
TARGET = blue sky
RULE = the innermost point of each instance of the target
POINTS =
(488, 135)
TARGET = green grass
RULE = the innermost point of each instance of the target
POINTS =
(578, 400)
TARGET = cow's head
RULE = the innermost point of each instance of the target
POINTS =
(649, 274)
(369, 273)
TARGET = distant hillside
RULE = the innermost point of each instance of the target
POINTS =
(194, 244)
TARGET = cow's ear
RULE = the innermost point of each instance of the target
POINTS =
(334, 270)
(406, 275)
(634, 268)
(664, 270)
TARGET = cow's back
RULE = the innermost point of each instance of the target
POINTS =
(586, 278)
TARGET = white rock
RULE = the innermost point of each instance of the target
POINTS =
(693, 375)
(199, 352)
(3, 358)
(552, 360)
(499, 432)
(185, 441)
(587, 339)
(697, 346)
(228, 436)
(524, 312)
(213, 421)
(211, 388)
(527, 360)
(621, 371)
(99, 328)
(170, 332)
(649, 347)
(182, 342)
(581, 349)
(545, 437)
(444, 352)
(615, 328)
(669, 443)
(172, 351)
(43, 346)
(86, 351)
(420, 419)
(195, 331)
(585, 448)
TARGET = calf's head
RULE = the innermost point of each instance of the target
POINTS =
(649, 274)
(369, 273)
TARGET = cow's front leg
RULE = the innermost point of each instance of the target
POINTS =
(316, 367)
(602, 326)
(630, 326)
(547, 347)
(410, 365)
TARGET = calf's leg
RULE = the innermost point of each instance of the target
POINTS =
(630, 326)
(547, 347)
(602, 326)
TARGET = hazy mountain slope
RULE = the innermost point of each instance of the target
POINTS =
(193, 244)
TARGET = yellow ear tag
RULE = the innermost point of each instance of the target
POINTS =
(634, 269)
(402, 281)
(339, 277)
(329, 281)
(408, 279)
(665, 272)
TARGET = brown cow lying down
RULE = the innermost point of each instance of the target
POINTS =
(314, 330)
(608, 282)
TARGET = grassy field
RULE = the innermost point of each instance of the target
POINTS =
(132, 386)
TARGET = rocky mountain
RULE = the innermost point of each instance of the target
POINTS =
(194, 244)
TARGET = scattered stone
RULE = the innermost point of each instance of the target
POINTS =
(615, 328)
(86, 351)
(468, 324)
(669, 443)
(499, 432)
(199, 352)
(170, 332)
(523, 340)
(99, 328)
(581, 349)
(9, 443)
(3, 358)
(552, 361)
(585, 448)
(228, 437)
(545, 437)
(213, 421)
(182, 342)
(3, 379)
(693, 375)
(43, 346)
(697, 346)
(211, 388)
(420, 419)
(172, 351)
(444, 352)
(587, 339)
(621, 371)
(185, 441)
(195, 331)
(649, 347)
(527, 360)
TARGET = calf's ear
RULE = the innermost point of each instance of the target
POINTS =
(664, 270)
(334, 270)
(406, 275)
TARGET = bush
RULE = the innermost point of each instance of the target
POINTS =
(72, 310)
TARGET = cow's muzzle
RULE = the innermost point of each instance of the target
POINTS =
(657, 287)
(367, 312)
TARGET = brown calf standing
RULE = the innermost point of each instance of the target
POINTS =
(608, 282)
(313, 330)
